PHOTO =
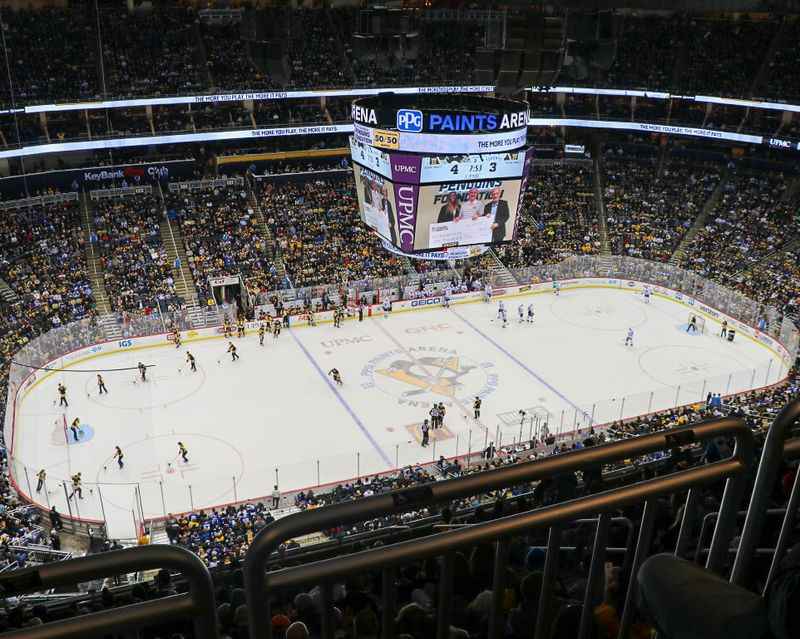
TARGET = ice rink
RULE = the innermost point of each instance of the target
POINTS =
(275, 416)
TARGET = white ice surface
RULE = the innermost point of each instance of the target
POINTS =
(275, 411)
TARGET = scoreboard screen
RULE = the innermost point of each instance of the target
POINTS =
(427, 202)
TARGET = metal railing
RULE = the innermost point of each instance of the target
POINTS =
(197, 604)
(259, 584)
(777, 447)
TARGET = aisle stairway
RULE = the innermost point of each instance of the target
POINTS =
(500, 275)
(272, 245)
(172, 240)
(93, 260)
(106, 318)
(7, 293)
(605, 245)
(680, 252)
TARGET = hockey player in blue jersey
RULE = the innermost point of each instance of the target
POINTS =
(629, 338)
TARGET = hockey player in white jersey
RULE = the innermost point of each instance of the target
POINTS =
(530, 313)
(387, 306)
(521, 313)
(487, 293)
(446, 298)
(629, 338)
(501, 313)
(647, 294)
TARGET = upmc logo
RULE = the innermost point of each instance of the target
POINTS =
(409, 120)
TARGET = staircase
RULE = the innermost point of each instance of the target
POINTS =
(7, 293)
(499, 275)
(172, 240)
(93, 261)
(605, 245)
(272, 245)
(680, 253)
(107, 320)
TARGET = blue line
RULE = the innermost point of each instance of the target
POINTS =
(342, 401)
(520, 364)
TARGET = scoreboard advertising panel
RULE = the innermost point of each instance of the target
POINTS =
(421, 203)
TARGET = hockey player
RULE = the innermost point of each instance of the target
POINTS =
(724, 332)
(530, 313)
(446, 298)
(76, 486)
(276, 328)
(629, 338)
(226, 327)
(487, 293)
(521, 313)
(501, 313)
(232, 351)
(556, 287)
(118, 456)
(101, 385)
(261, 330)
(62, 395)
(311, 320)
(75, 428)
(387, 306)
(692, 326)
(476, 407)
(240, 327)
(647, 294)
(142, 371)
(334, 373)
(183, 452)
(191, 362)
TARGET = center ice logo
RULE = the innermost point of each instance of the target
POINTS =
(419, 376)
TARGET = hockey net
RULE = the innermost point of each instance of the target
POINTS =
(700, 322)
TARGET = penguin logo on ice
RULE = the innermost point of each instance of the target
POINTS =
(421, 375)
(440, 375)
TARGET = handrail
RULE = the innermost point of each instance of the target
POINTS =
(197, 604)
(775, 448)
(258, 582)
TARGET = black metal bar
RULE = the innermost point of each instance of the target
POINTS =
(445, 596)
(327, 609)
(687, 522)
(642, 550)
(389, 602)
(101, 624)
(786, 528)
(771, 458)
(732, 496)
(703, 528)
(269, 538)
(543, 614)
(498, 588)
(596, 574)
(197, 604)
